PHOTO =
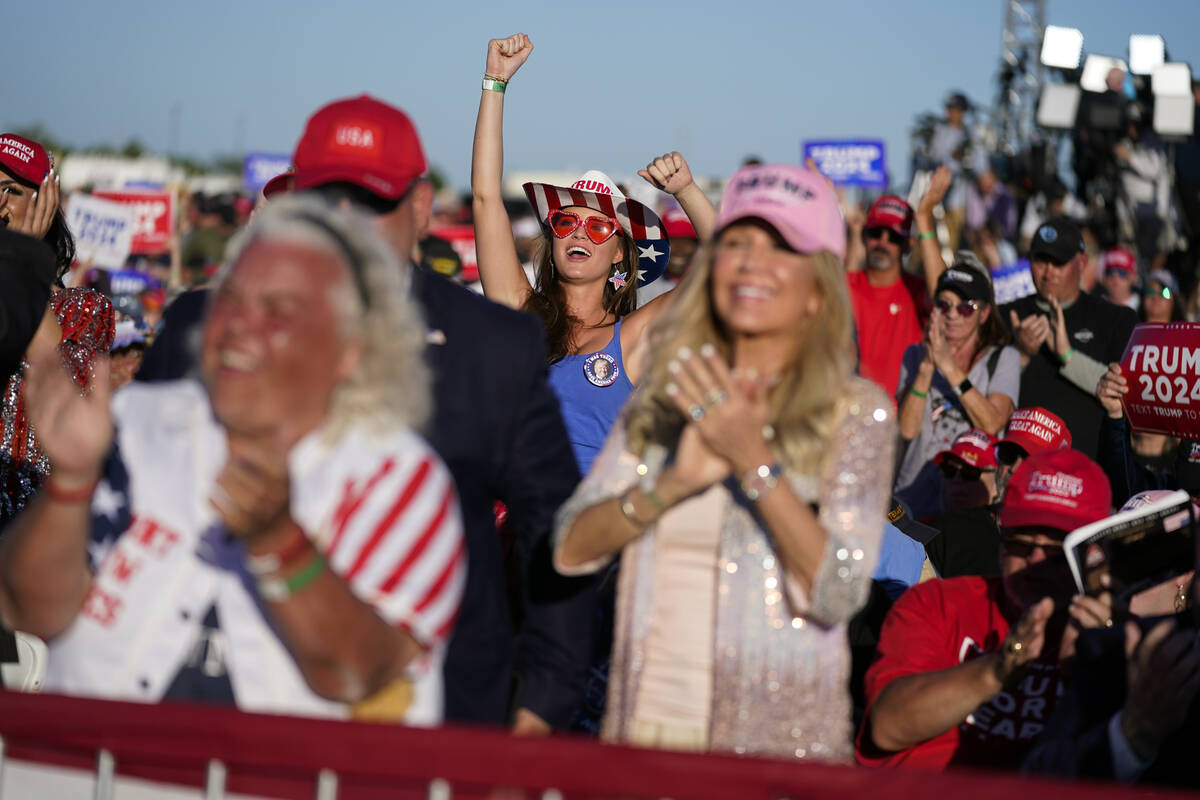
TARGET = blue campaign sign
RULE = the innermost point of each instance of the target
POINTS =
(261, 167)
(849, 162)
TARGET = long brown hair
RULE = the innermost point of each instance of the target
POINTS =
(548, 301)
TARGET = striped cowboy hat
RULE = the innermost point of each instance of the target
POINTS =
(596, 191)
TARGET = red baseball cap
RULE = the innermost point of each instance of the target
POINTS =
(359, 140)
(677, 225)
(1061, 489)
(24, 158)
(1119, 258)
(973, 448)
(890, 212)
(1035, 430)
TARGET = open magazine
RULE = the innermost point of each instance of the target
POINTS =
(1138, 548)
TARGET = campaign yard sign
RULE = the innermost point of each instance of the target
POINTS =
(849, 162)
(1162, 366)
(258, 168)
(103, 230)
(153, 218)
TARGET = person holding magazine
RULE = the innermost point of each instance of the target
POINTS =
(968, 668)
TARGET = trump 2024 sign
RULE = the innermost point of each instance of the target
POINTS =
(1162, 366)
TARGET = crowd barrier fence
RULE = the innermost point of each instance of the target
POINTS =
(224, 750)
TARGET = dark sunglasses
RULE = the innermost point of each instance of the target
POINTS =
(952, 469)
(1113, 272)
(1162, 291)
(885, 233)
(965, 309)
(564, 223)
(1023, 548)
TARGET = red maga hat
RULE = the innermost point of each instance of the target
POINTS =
(974, 448)
(890, 212)
(359, 140)
(24, 158)
(1062, 489)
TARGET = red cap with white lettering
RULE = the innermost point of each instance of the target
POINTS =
(1062, 489)
(24, 159)
(1034, 430)
(359, 140)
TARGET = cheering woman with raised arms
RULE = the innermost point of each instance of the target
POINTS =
(596, 244)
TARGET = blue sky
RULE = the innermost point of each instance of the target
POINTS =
(610, 84)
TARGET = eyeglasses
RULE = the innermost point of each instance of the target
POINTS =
(563, 223)
(1023, 548)
(1162, 291)
(952, 469)
(881, 233)
(965, 309)
(1113, 272)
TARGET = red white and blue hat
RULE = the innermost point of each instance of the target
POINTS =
(596, 191)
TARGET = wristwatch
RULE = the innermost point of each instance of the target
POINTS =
(963, 387)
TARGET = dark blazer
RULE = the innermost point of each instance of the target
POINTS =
(26, 272)
(1075, 742)
(497, 425)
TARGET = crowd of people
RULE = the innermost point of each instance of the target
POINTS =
(768, 476)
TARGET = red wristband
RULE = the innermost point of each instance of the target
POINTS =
(66, 496)
(280, 559)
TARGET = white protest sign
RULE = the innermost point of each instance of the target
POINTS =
(103, 230)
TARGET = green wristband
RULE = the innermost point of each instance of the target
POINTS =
(307, 575)
(1065, 357)
(493, 85)
(926, 235)
(914, 392)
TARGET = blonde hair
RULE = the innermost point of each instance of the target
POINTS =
(390, 384)
(805, 405)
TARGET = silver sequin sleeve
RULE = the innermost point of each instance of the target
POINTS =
(613, 471)
(854, 491)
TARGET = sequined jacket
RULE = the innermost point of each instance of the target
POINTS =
(781, 659)
(86, 319)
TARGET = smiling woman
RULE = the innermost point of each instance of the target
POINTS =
(596, 247)
(78, 321)
(744, 488)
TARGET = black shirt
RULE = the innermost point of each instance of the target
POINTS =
(1097, 328)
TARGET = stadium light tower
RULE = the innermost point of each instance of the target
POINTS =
(1020, 73)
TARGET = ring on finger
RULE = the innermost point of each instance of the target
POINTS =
(715, 397)
(696, 412)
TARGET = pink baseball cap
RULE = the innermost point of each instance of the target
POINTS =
(973, 448)
(24, 158)
(797, 202)
(1061, 489)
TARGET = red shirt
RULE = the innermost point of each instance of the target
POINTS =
(940, 624)
(889, 319)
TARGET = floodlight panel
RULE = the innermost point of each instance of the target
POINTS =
(1058, 105)
(1146, 51)
(1062, 47)
(1173, 79)
(1095, 72)
(1174, 115)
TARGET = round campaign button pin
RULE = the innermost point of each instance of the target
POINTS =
(600, 369)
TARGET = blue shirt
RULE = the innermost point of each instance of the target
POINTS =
(592, 389)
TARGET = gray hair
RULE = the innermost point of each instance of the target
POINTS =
(390, 385)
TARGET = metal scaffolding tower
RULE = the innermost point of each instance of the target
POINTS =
(1020, 78)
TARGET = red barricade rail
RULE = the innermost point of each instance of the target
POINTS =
(278, 756)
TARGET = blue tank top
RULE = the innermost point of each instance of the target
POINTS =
(592, 389)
